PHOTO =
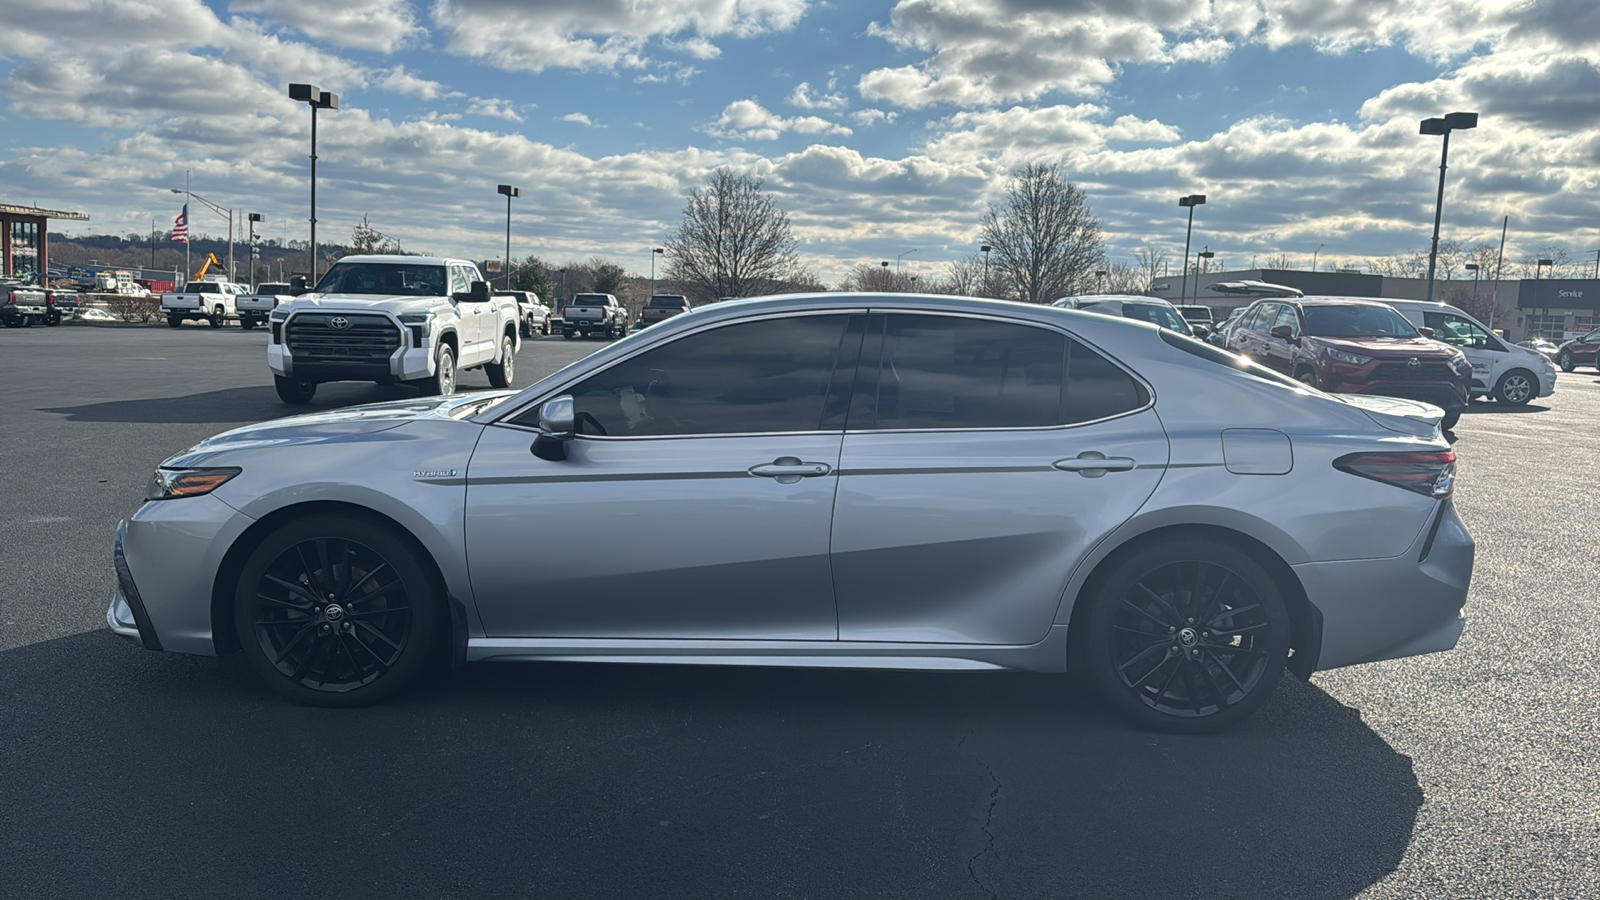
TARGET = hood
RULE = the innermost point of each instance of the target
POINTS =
(336, 425)
(1395, 414)
(1386, 348)
(390, 303)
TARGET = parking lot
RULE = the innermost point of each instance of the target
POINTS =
(129, 773)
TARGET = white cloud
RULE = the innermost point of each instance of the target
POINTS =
(496, 108)
(749, 120)
(382, 25)
(602, 34)
(398, 81)
(868, 117)
(577, 117)
(803, 98)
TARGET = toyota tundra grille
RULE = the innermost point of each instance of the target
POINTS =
(328, 337)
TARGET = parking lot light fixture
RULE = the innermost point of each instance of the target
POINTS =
(1539, 266)
(1205, 255)
(655, 252)
(985, 248)
(1443, 126)
(1190, 202)
(318, 99)
(510, 192)
(220, 210)
(254, 253)
(1473, 268)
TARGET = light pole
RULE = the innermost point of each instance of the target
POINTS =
(1314, 257)
(510, 192)
(886, 278)
(1205, 255)
(563, 282)
(898, 260)
(223, 211)
(1473, 268)
(658, 251)
(319, 99)
(986, 248)
(254, 253)
(1539, 265)
(1101, 274)
(1191, 202)
(1451, 122)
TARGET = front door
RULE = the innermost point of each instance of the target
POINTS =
(983, 459)
(694, 503)
(1482, 349)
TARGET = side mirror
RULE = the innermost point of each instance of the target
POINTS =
(557, 425)
(1425, 331)
(297, 285)
(1283, 331)
(478, 294)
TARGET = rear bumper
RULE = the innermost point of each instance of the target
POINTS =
(1374, 609)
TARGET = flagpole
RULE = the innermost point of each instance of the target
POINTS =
(187, 197)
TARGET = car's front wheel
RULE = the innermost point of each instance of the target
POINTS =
(294, 390)
(1565, 361)
(443, 381)
(1186, 636)
(333, 610)
(1309, 378)
(1515, 388)
(503, 372)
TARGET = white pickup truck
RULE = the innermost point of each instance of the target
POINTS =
(393, 319)
(256, 306)
(212, 301)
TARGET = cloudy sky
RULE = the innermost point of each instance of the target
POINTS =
(883, 127)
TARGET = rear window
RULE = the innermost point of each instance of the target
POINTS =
(588, 300)
(272, 288)
(202, 287)
(667, 301)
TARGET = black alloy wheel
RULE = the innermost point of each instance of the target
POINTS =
(1189, 636)
(335, 611)
(1565, 361)
(174, 322)
(215, 318)
(52, 319)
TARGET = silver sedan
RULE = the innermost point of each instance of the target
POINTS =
(827, 480)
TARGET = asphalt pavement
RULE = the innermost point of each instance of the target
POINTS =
(128, 773)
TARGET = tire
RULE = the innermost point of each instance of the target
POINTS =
(1151, 647)
(502, 373)
(52, 319)
(174, 322)
(1450, 419)
(1565, 361)
(1516, 388)
(12, 323)
(247, 323)
(546, 328)
(442, 383)
(378, 635)
(293, 390)
(525, 329)
(570, 334)
(215, 318)
(1309, 378)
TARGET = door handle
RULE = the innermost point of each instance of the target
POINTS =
(1093, 464)
(790, 469)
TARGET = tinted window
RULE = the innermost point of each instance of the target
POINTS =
(1287, 316)
(1456, 330)
(668, 301)
(1255, 319)
(764, 376)
(1157, 315)
(948, 372)
(1357, 321)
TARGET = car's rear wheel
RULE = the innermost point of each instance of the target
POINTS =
(174, 321)
(1309, 378)
(1515, 388)
(52, 319)
(247, 323)
(294, 390)
(216, 318)
(502, 373)
(1186, 636)
(335, 611)
(1565, 361)
(570, 334)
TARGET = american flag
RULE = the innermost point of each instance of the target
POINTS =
(180, 227)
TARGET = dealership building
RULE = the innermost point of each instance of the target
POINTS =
(1554, 308)
(25, 238)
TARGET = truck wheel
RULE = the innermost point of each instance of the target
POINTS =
(526, 329)
(293, 390)
(174, 321)
(247, 323)
(442, 383)
(545, 328)
(215, 318)
(570, 334)
(501, 373)
(52, 319)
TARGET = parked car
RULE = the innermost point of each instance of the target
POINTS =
(1219, 335)
(1580, 351)
(791, 476)
(256, 306)
(25, 305)
(1547, 348)
(1199, 319)
(600, 314)
(392, 319)
(213, 301)
(1510, 374)
(1145, 309)
(661, 307)
(534, 315)
(1348, 346)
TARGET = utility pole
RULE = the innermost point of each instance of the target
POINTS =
(1499, 262)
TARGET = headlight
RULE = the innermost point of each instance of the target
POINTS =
(1351, 358)
(170, 484)
(1459, 360)
(419, 324)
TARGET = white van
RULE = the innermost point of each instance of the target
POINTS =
(1510, 374)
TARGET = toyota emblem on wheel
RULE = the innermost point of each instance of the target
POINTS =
(338, 322)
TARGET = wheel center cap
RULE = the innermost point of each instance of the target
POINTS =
(333, 612)
(1187, 637)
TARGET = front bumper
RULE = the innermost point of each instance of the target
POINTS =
(1374, 609)
(405, 364)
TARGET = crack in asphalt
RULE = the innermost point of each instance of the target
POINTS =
(988, 820)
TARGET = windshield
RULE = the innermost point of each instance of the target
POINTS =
(1195, 313)
(1357, 322)
(390, 279)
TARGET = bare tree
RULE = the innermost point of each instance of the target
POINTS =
(875, 278)
(1528, 266)
(734, 241)
(1278, 261)
(1126, 278)
(1046, 240)
(1151, 263)
(365, 239)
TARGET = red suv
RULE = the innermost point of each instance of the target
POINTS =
(1584, 351)
(1354, 347)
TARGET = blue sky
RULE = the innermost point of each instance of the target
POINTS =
(881, 127)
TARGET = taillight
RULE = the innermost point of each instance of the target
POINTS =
(11, 298)
(1431, 473)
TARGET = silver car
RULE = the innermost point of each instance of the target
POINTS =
(828, 480)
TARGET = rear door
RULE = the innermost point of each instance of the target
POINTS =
(982, 459)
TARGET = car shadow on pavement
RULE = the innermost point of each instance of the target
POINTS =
(130, 773)
(230, 405)
(1479, 408)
